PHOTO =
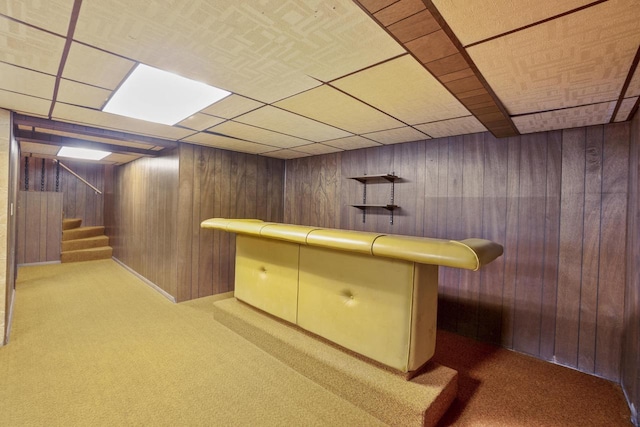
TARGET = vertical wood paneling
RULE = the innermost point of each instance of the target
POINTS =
(630, 377)
(591, 245)
(40, 224)
(556, 201)
(612, 264)
(551, 245)
(494, 208)
(571, 246)
(219, 183)
(511, 242)
(471, 222)
(529, 272)
(143, 218)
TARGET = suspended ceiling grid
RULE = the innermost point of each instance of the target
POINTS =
(315, 77)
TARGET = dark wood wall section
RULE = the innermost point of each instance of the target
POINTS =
(219, 183)
(79, 201)
(557, 201)
(39, 216)
(141, 217)
(631, 345)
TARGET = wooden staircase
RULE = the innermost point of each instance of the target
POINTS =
(83, 243)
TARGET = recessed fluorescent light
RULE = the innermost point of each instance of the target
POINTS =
(82, 153)
(161, 97)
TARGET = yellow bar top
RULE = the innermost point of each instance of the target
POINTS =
(470, 254)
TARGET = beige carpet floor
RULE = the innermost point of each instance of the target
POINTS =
(91, 345)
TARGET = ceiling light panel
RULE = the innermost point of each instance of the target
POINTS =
(29, 48)
(537, 70)
(264, 50)
(334, 108)
(288, 123)
(415, 98)
(161, 97)
(82, 153)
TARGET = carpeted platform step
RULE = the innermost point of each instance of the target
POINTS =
(92, 254)
(82, 233)
(86, 243)
(69, 223)
(382, 393)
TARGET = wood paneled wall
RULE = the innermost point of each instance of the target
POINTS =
(39, 226)
(157, 204)
(631, 345)
(556, 201)
(219, 183)
(79, 201)
(141, 217)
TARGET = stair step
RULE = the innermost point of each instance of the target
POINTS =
(86, 243)
(82, 232)
(103, 252)
(383, 393)
(70, 223)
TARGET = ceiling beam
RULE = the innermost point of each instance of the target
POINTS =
(49, 139)
(421, 30)
(22, 120)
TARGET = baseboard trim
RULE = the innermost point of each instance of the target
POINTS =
(146, 281)
(7, 334)
(30, 264)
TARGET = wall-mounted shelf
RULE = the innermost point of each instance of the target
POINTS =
(364, 205)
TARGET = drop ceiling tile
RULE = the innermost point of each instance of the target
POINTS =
(634, 85)
(477, 20)
(317, 149)
(352, 143)
(86, 116)
(258, 135)
(24, 104)
(396, 136)
(75, 93)
(415, 98)
(227, 143)
(579, 59)
(201, 121)
(457, 126)
(625, 108)
(27, 82)
(286, 154)
(232, 106)
(95, 67)
(288, 123)
(264, 51)
(334, 108)
(52, 15)
(586, 115)
(41, 149)
(27, 47)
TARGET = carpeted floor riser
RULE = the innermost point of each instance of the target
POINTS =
(386, 395)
